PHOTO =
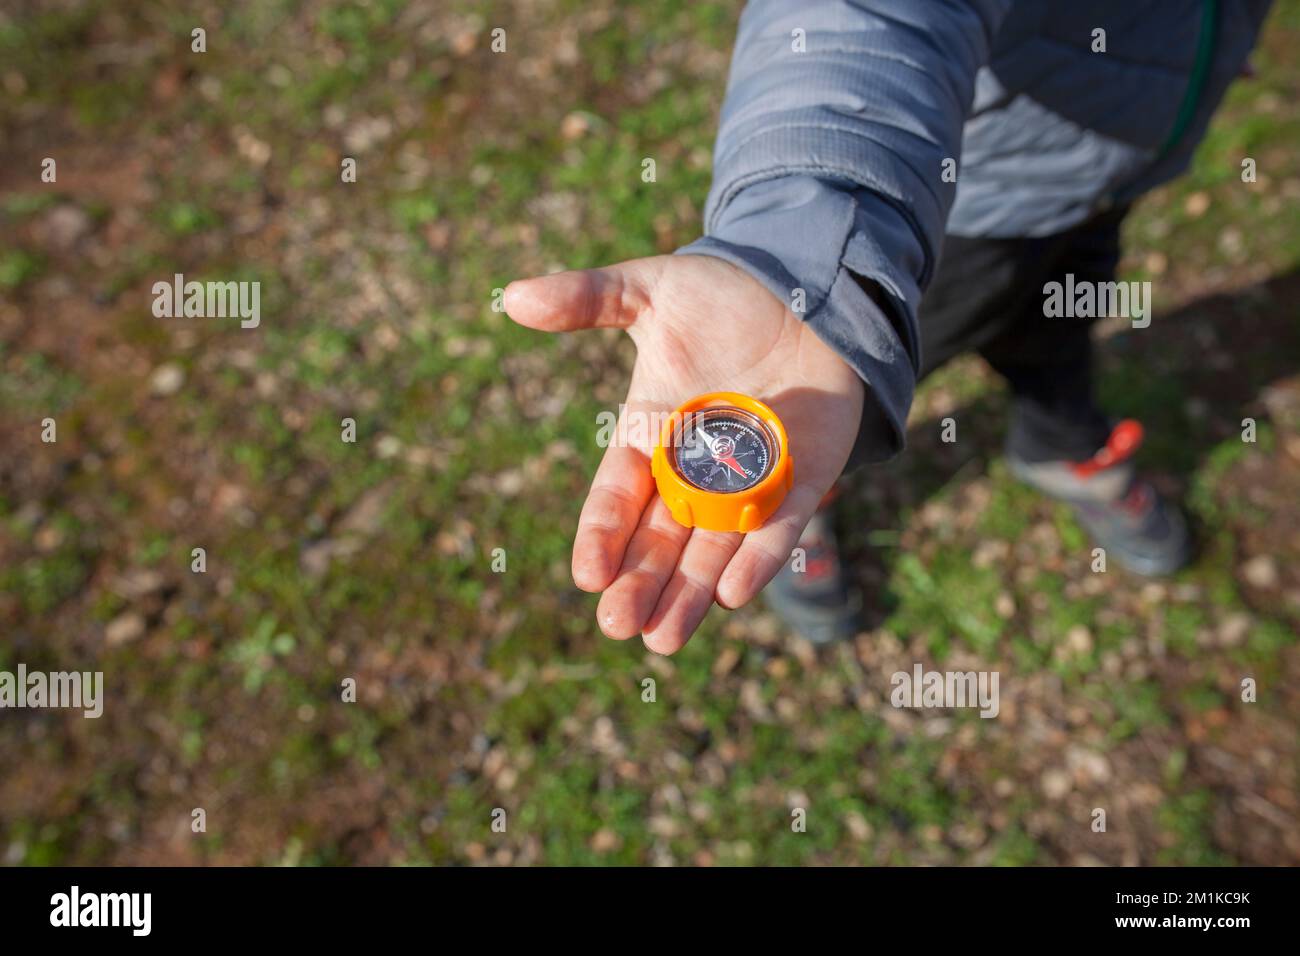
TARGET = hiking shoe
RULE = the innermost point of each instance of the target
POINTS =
(1123, 513)
(815, 602)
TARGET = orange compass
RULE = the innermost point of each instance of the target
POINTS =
(723, 463)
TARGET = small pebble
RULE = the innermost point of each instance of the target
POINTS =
(123, 629)
(1261, 572)
(166, 379)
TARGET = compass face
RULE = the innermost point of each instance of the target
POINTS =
(724, 450)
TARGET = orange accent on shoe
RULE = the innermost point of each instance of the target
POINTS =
(1138, 500)
(1125, 439)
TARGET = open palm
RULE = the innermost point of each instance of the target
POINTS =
(700, 325)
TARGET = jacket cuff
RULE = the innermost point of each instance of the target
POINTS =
(807, 239)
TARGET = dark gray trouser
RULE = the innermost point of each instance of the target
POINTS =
(987, 297)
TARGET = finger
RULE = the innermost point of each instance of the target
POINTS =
(612, 512)
(762, 553)
(689, 593)
(651, 557)
(614, 296)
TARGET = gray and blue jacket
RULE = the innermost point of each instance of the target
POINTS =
(842, 117)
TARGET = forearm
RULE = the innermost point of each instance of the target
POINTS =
(828, 169)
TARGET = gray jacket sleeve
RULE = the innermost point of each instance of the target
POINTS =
(829, 166)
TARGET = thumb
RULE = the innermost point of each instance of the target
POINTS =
(612, 297)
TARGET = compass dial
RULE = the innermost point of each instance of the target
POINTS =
(724, 450)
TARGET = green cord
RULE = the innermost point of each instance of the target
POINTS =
(1200, 70)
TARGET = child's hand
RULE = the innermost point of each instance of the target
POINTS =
(700, 325)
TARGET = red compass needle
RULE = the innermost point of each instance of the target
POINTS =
(734, 466)
(713, 446)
